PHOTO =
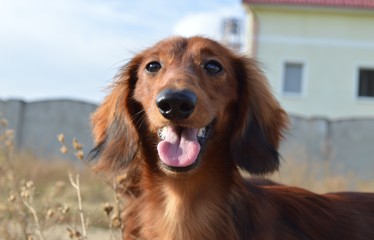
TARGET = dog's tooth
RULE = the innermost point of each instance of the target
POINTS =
(162, 133)
(201, 132)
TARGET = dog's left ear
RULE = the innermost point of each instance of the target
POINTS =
(114, 130)
(260, 122)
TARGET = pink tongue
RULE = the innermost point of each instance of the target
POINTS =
(179, 148)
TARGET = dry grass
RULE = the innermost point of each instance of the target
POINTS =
(41, 190)
(38, 199)
(320, 178)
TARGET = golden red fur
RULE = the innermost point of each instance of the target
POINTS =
(182, 118)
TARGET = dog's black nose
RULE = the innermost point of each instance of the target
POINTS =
(176, 104)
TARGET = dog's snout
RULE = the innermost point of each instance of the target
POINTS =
(176, 104)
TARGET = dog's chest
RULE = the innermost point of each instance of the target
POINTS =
(175, 217)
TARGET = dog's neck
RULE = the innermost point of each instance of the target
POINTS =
(194, 207)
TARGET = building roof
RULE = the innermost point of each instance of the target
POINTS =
(363, 4)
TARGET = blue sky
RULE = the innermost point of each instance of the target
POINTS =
(73, 48)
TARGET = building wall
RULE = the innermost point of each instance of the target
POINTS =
(331, 43)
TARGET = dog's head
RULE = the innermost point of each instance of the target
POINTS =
(181, 96)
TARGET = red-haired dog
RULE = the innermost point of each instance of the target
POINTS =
(182, 118)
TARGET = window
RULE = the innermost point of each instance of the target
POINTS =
(293, 77)
(366, 83)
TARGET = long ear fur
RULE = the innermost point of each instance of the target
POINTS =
(261, 121)
(114, 132)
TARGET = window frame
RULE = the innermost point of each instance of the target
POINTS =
(303, 90)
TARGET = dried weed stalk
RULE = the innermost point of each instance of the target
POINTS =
(76, 185)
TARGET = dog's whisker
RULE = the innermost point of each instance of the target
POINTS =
(140, 120)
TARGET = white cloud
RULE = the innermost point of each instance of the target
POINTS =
(208, 23)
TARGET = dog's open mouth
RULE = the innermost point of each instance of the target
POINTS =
(179, 147)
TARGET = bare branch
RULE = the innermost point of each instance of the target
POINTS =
(76, 185)
(36, 219)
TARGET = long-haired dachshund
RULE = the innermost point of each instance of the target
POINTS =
(183, 117)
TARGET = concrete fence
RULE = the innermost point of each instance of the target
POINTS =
(37, 124)
(347, 145)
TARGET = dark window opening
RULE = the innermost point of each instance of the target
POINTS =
(366, 83)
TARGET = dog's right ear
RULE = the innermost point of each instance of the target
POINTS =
(260, 123)
(114, 131)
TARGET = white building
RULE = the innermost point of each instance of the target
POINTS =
(317, 54)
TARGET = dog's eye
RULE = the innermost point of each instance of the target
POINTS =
(213, 66)
(153, 67)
